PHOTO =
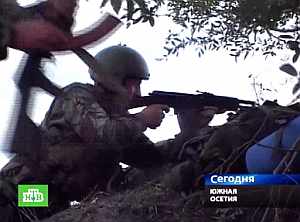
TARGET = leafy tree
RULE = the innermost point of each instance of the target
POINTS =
(241, 26)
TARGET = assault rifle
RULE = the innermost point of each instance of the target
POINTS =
(188, 101)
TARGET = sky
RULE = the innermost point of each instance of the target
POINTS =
(214, 72)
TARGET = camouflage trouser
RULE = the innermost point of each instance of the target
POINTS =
(14, 173)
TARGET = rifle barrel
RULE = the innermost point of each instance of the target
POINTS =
(185, 100)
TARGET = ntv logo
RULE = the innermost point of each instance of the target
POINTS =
(33, 195)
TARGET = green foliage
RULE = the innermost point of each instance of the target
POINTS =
(261, 89)
(289, 69)
(240, 26)
(136, 10)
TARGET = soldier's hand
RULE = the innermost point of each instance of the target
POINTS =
(153, 115)
(66, 7)
(37, 34)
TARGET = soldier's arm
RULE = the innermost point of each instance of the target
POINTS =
(24, 29)
(172, 147)
(94, 125)
(77, 111)
(166, 147)
(10, 12)
(143, 153)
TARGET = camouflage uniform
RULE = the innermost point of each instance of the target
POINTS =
(174, 151)
(173, 147)
(183, 155)
(86, 133)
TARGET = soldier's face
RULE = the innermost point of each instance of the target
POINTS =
(133, 87)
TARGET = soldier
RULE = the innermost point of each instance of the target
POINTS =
(192, 123)
(88, 131)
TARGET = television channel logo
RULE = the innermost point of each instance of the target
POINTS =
(33, 195)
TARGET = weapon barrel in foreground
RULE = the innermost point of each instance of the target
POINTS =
(191, 101)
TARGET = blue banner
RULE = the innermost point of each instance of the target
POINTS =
(251, 179)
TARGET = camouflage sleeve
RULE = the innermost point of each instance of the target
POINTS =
(78, 111)
(171, 148)
(166, 147)
(143, 153)
(10, 12)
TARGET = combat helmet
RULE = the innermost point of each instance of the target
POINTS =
(118, 63)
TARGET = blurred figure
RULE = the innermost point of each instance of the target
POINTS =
(44, 27)
(24, 29)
